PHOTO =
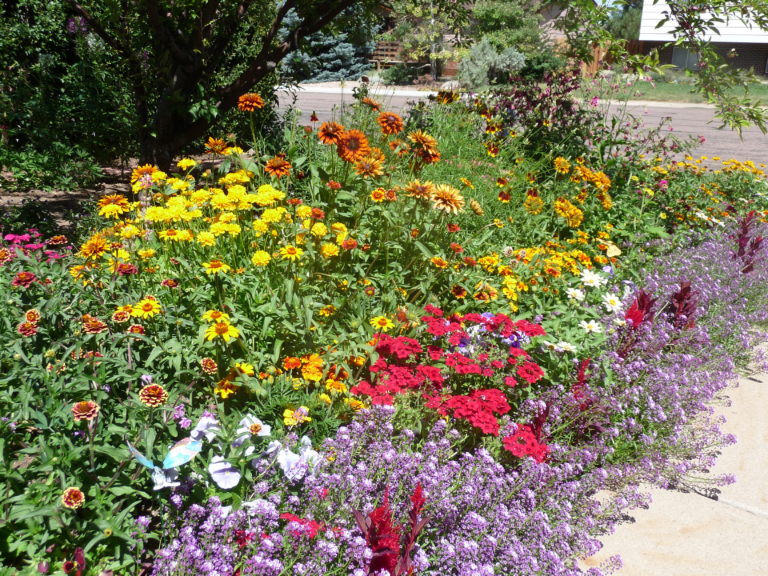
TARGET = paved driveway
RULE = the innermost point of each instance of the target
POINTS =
(687, 119)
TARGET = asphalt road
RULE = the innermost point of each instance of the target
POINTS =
(686, 119)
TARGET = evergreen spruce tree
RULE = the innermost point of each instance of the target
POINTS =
(331, 55)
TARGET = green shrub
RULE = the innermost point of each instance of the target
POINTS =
(485, 66)
(399, 75)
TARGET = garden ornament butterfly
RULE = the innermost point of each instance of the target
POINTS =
(180, 453)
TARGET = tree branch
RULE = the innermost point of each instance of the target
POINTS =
(113, 42)
(265, 61)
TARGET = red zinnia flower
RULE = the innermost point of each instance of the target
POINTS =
(209, 365)
(85, 410)
(23, 279)
(153, 395)
(27, 329)
(73, 498)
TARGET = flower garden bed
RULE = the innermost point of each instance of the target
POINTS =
(453, 343)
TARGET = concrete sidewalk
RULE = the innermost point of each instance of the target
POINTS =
(686, 534)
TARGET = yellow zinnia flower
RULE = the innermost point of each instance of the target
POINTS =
(291, 252)
(223, 330)
(146, 308)
(216, 267)
(382, 323)
(260, 258)
(215, 316)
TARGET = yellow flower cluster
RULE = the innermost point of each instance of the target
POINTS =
(572, 215)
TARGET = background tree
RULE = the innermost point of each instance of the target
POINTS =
(325, 57)
(185, 63)
(624, 23)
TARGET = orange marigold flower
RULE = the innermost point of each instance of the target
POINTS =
(330, 132)
(85, 410)
(291, 363)
(278, 167)
(72, 498)
(153, 395)
(250, 102)
(216, 145)
(371, 103)
(390, 123)
(353, 146)
(438, 262)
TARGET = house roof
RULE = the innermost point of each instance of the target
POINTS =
(732, 32)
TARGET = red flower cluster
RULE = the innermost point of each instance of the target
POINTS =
(461, 372)
(525, 443)
(310, 528)
(480, 408)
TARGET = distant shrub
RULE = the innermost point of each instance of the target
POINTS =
(485, 66)
(399, 75)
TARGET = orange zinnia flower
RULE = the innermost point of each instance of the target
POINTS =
(371, 103)
(447, 199)
(353, 146)
(32, 315)
(369, 167)
(278, 167)
(250, 102)
(216, 145)
(92, 325)
(330, 132)
(390, 123)
(27, 328)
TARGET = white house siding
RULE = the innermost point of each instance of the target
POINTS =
(733, 32)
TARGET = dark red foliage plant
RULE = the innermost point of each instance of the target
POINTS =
(392, 544)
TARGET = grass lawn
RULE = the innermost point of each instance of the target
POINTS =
(684, 92)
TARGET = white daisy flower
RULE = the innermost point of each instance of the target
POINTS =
(564, 346)
(612, 303)
(575, 294)
(591, 326)
(592, 279)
